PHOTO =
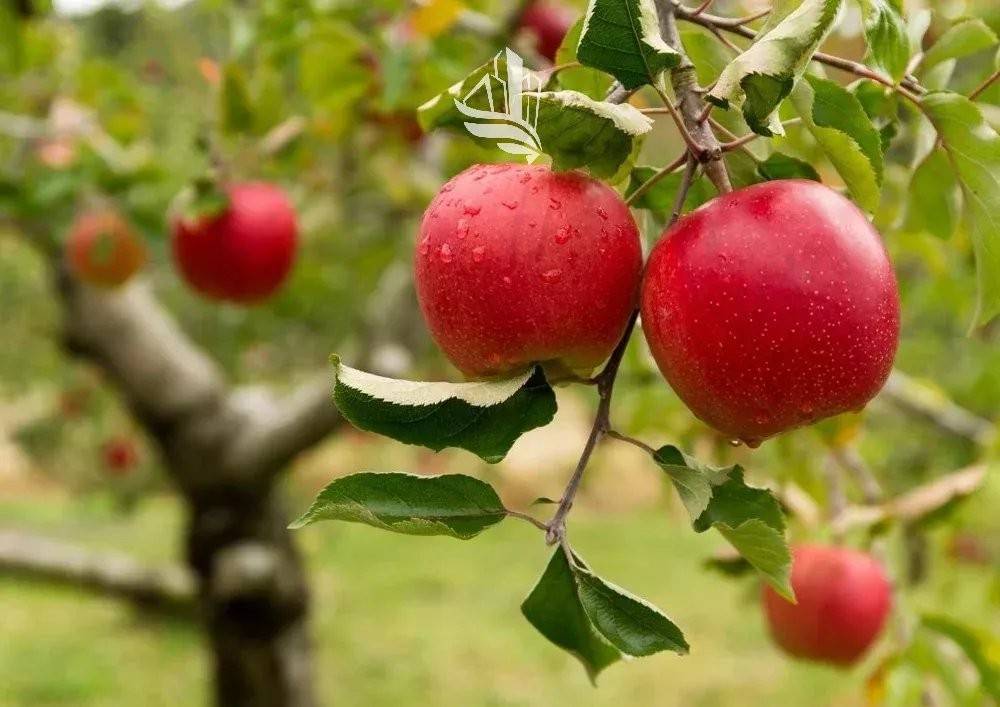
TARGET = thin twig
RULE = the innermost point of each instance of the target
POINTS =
(849, 460)
(907, 87)
(686, 181)
(692, 144)
(738, 142)
(701, 8)
(615, 434)
(524, 516)
(649, 183)
(556, 528)
(990, 80)
(732, 138)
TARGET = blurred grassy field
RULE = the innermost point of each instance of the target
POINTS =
(416, 621)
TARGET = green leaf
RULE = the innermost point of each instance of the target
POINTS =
(632, 625)
(688, 478)
(595, 620)
(749, 518)
(961, 39)
(454, 504)
(974, 149)
(840, 125)
(622, 38)
(782, 166)
(587, 81)
(880, 103)
(932, 204)
(577, 131)
(573, 129)
(661, 196)
(885, 33)
(972, 646)
(759, 78)
(554, 608)
(237, 106)
(483, 417)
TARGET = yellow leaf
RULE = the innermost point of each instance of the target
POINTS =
(436, 16)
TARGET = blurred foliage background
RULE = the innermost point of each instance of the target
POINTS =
(320, 97)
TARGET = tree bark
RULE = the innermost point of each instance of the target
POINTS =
(224, 449)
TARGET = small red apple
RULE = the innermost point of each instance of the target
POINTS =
(244, 253)
(518, 264)
(103, 250)
(772, 307)
(120, 456)
(843, 600)
(548, 22)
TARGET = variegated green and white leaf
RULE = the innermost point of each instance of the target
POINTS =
(622, 38)
(455, 505)
(483, 417)
(482, 90)
(885, 33)
(851, 142)
(758, 79)
(573, 129)
(577, 131)
(974, 149)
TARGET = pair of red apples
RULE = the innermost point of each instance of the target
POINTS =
(242, 253)
(768, 308)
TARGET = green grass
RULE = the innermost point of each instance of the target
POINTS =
(410, 621)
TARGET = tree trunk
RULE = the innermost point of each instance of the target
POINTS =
(255, 600)
(224, 448)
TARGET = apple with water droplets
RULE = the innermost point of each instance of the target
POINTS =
(842, 601)
(547, 22)
(242, 253)
(518, 264)
(103, 249)
(772, 307)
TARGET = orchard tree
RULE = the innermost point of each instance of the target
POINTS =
(767, 301)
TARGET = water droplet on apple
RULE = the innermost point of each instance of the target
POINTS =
(477, 253)
(473, 210)
(602, 212)
(735, 442)
(506, 280)
(425, 245)
(552, 275)
(445, 253)
(554, 204)
(463, 228)
(563, 235)
(752, 442)
(512, 204)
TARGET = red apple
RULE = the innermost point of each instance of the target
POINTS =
(517, 264)
(843, 600)
(548, 23)
(244, 253)
(772, 307)
(120, 456)
(103, 250)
